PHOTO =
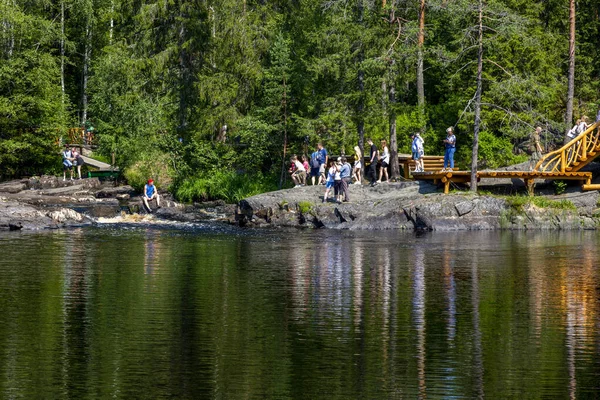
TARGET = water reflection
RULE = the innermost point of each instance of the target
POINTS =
(327, 314)
(419, 318)
(477, 343)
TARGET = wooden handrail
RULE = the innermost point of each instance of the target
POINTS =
(574, 155)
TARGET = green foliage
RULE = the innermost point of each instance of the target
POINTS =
(559, 186)
(496, 151)
(165, 77)
(157, 166)
(223, 185)
(31, 114)
(305, 207)
(518, 203)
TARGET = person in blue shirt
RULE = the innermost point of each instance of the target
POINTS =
(450, 144)
(318, 161)
(150, 193)
(323, 161)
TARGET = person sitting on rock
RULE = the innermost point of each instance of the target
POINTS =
(298, 172)
(150, 193)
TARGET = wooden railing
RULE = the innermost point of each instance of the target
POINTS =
(574, 155)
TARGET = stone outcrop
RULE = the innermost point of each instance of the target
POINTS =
(49, 202)
(414, 205)
(15, 215)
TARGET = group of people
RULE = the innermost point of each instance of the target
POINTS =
(374, 155)
(338, 174)
(580, 126)
(71, 159)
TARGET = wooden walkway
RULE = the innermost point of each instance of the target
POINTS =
(562, 164)
(102, 166)
(529, 177)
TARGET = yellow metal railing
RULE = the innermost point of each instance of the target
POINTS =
(573, 155)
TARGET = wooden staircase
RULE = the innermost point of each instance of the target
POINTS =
(574, 155)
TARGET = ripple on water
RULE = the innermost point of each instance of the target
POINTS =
(210, 310)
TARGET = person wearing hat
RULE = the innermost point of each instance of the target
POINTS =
(150, 193)
(450, 143)
(535, 147)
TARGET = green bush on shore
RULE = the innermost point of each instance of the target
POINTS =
(229, 186)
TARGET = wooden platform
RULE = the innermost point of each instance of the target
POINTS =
(430, 164)
(528, 177)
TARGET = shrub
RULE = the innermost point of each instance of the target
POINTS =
(305, 207)
(156, 166)
(230, 186)
(559, 187)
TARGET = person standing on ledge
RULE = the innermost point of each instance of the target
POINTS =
(385, 161)
(372, 171)
(346, 175)
(323, 162)
(150, 193)
(535, 147)
(450, 144)
(68, 159)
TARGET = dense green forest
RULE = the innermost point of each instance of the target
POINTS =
(206, 96)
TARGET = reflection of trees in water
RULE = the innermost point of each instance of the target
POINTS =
(77, 297)
(152, 251)
(419, 322)
(478, 368)
(581, 310)
(450, 294)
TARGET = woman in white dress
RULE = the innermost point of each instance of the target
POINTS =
(356, 171)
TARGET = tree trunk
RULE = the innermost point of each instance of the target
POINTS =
(360, 124)
(361, 106)
(420, 80)
(62, 51)
(112, 22)
(394, 166)
(87, 54)
(477, 103)
(184, 74)
(571, 75)
(7, 27)
(281, 178)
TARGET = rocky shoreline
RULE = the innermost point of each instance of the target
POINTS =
(48, 202)
(418, 206)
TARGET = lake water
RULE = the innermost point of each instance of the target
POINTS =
(211, 312)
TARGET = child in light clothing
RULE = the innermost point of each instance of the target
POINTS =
(330, 181)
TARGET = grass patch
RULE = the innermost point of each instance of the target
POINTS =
(229, 186)
(519, 202)
(305, 207)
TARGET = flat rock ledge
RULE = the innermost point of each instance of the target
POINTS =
(48, 202)
(413, 206)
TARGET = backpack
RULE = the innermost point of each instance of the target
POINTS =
(314, 160)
